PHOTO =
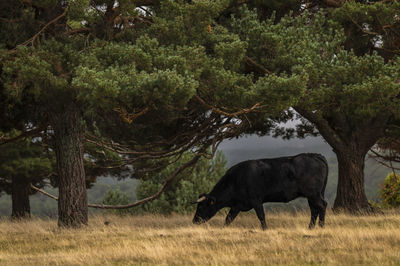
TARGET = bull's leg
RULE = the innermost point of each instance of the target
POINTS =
(261, 215)
(314, 214)
(322, 213)
(231, 216)
(318, 208)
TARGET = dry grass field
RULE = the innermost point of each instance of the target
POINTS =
(132, 240)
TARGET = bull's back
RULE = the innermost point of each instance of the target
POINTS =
(303, 175)
(271, 180)
(311, 172)
(276, 179)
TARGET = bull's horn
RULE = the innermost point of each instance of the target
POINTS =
(203, 198)
(199, 200)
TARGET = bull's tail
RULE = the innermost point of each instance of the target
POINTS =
(326, 181)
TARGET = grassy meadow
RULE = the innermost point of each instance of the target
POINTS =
(174, 240)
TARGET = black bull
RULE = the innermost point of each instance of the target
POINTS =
(249, 184)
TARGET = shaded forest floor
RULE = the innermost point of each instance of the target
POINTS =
(174, 240)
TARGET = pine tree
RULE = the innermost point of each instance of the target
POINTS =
(21, 164)
(355, 92)
(146, 83)
(350, 62)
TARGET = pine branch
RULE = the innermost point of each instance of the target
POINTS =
(257, 65)
(34, 37)
(190, 163)
(77, 31)
(323, 127)
(234, 114)
(386, 158)
(144, 2)
(334, 3)
(24, 134)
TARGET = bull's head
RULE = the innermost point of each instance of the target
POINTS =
(206, 208)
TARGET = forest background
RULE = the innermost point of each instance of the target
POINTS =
(340, 73)
(235, 150)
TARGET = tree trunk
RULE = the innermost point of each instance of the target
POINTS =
(72, 202)
(351, 142)
(20, 199)
(351, 196)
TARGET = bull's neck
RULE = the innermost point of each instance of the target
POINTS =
(222, 194)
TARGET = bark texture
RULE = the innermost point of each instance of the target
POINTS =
(72, 203)
(350, 195)
(21, 208)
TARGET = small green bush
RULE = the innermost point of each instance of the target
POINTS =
(116, 197)
(390, 190)
(185, 188)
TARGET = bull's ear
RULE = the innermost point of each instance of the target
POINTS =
(212, 199)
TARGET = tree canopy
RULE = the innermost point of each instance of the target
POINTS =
(147, 83)
(348, 59)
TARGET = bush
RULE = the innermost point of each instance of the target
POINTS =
(185, 188)
(116, 197)
(390, 191)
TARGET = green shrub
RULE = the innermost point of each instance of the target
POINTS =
(390, 190)
(184, 189)
(116, 197)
